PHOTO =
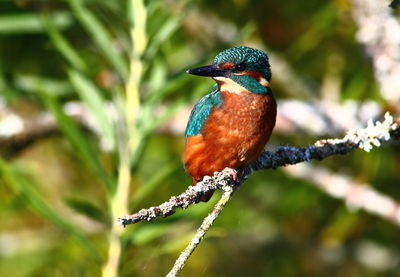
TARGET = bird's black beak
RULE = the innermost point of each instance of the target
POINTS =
(208, 71)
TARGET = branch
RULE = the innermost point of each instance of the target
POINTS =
(191, 196)
(202, 231)
(18, 131)
(365, 138)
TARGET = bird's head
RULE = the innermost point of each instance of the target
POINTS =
(238, 68)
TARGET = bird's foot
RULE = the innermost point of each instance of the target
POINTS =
(232, 172)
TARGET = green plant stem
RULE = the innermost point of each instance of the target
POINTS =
(119, 203)
(139, 42)
(130, 137)
(119, 200)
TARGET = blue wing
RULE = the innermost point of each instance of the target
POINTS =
(202, 110)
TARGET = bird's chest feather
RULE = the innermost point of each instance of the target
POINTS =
(233, 135)
(241, 121)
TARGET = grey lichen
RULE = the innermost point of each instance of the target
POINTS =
(366, 138)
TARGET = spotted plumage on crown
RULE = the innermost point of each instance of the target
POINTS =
(255, 59)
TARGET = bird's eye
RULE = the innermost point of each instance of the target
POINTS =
(239, 67)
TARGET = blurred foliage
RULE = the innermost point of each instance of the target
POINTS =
(57, 194)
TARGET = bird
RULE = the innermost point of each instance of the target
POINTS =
(230, 126)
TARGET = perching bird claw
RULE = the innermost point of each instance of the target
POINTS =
(232, 172)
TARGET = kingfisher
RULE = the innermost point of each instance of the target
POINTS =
(230, 126)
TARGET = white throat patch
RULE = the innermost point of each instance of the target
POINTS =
(228, 85)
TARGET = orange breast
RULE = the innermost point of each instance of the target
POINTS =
(234, 135)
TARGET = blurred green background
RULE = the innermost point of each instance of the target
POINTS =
(101, 89)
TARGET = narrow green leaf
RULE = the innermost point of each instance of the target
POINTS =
(323, 20)
(62, 44)
(90, 96)
(28, 82)
(31, 23)
(162, 34)
(147, 233)
(83, 206)
(20, 184)
(173, 85)
(84, 149)
(7, 92)
(100, 35)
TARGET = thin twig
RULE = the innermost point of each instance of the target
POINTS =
(191, 196)
(202, 231)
